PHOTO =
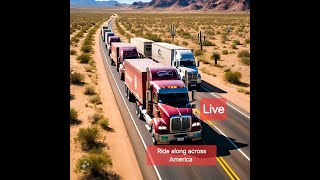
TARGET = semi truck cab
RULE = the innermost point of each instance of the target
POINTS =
(185, 61)
(173, 119)
(126, 53)
(109, 42)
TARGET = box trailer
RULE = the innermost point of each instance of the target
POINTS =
(144, 46)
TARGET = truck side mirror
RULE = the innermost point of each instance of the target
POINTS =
(148, 95)
(193, 106)
(198, 63)
(193, 95)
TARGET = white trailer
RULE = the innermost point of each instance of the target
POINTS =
(144, 46)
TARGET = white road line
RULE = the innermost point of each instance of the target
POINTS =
(232, 143)
(227, 103)
(144, 144)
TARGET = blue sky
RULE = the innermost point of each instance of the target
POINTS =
(128, 1)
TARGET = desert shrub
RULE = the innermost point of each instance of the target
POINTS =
(95, 99)
(208, 43)
(88, 68)
(74, 39)
(104, 123)
(153, 37)
(86, 48)
(88, 137)
(89, 90)
(96, 117)
(237, 42)
(198, 52)
(243, 91)
(246, 60)
(185, 43)
(91, 62)
(79, 34)
(167, 40)
(243, 53)
(218, 32)
(233, 77)
(93, 165)
(247, 41)
(73, 115)
(234, 46)
(73, 52)
(225, 52)
(76, 78)
(215, 55)
(84, 58)
(87, 42)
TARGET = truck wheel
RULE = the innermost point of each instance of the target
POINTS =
(126, 91)
(129, 95)
(153, 136)
(138, 112)
(122, 76)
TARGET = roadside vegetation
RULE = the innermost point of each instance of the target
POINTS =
(95, 163)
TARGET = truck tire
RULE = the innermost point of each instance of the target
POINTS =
(125, 91)
(138, 112)
(122, 76)
(153, 136)
(129, 96)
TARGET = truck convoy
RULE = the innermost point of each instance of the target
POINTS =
(104, 31)
(176, 56)
(162, 100)
(179, 57)
(121, 51)
(109, 42)
(106, 36)
(144, 46)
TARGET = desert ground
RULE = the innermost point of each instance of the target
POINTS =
(93, 101)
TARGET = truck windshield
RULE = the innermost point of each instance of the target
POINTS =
(174, 98)
(187, 63)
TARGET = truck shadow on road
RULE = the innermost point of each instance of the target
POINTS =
(211, 137)
(209, 87)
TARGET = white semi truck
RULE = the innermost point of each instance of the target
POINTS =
(179, 57)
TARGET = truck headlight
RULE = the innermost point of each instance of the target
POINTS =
(162, 128)
(195, 124)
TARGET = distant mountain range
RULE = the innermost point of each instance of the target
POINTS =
(93, 3)
(206, 5)
(218, 5)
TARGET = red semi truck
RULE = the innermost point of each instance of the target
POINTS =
(120, 52)
(110, 40)
(162, 100)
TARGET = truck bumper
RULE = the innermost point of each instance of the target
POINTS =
(188, 136)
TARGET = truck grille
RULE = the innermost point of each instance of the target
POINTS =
(192, 76)
(180, 124)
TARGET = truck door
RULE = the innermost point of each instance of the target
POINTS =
(154, 103)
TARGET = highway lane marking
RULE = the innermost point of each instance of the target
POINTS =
(224, 168)
(227, 103)
(197, 111)
(144, 144)
(225, 163)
